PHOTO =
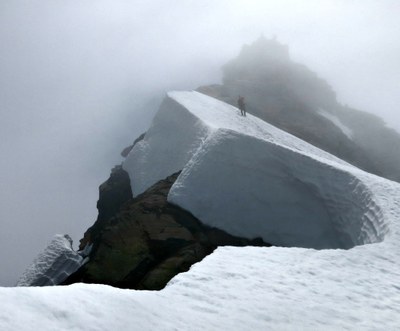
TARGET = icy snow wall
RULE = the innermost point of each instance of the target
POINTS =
(244, 176)
(54, 264)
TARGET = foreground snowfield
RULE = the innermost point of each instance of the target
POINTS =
(232, 289)
(248, 288)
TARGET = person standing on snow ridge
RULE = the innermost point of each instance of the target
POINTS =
(242, 106)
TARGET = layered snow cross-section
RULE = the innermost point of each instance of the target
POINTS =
(244, 176)
(54, 264)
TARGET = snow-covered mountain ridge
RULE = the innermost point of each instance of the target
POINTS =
(248, 288)
(251, 179)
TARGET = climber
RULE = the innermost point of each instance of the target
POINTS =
(242, 106)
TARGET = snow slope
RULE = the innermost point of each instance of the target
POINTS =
(251, 179)
(232, 289)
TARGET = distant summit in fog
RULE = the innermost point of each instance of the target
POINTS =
(264, 52)
(294, 98)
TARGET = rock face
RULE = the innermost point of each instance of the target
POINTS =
(293, 98)
(113, 193)
(146, 241)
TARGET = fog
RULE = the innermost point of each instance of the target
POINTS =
(80, 80)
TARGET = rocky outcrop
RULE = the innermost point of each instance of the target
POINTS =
(147, 241)
(113, 193)
(292, 97)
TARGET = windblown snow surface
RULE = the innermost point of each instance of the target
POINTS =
(249, 288)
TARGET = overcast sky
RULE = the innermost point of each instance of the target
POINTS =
(80, 80)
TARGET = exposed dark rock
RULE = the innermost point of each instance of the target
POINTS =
(148, 240)
(113, 193)
(126, 150)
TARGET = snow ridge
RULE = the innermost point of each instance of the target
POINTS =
(251, 179)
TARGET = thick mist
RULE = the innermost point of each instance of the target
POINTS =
(80, 80)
